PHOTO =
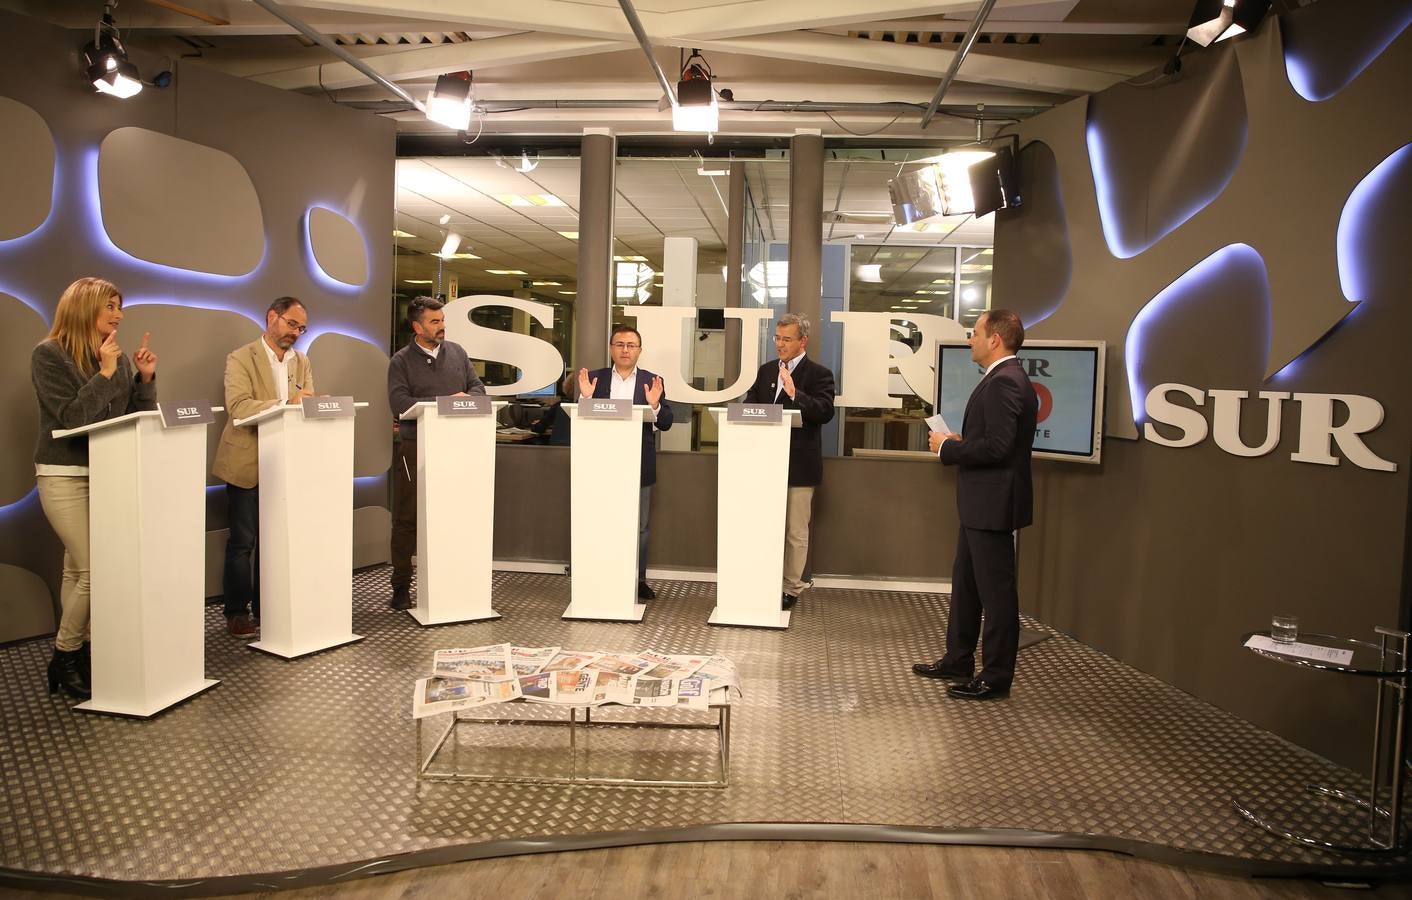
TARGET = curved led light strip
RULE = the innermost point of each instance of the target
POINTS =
(1300, 72)
(12, 509)
(18, 295)
(1352, 279)
(19, 241)
(1213, 267)
(1105, 192)
(89, 195)
(311, 260)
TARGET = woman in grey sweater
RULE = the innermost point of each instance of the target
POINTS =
(80, 377)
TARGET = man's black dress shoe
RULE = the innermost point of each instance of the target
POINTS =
(401, 598)
(787, 601)
(935, 670)
(978, 690)
(645, 592)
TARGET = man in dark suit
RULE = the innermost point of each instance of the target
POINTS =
(797, 382)
(623, 380)
(994, 497)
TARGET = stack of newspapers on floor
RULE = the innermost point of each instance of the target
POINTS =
(499, 673)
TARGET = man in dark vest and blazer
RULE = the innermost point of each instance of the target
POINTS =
(623, 380)
(797, 382)
(994, 498)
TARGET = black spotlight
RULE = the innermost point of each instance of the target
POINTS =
(1216, 20)
(106, 60)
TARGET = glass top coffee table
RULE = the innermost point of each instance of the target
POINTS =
(1386, 663)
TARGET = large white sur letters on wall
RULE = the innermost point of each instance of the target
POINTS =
(1317, 431)
(662, 327)
(538, 361)
(870, 353)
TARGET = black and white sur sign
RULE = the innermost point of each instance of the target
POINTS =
(762, 413)
(187, 412)
(463, 406)
(328, 407)
(605, 409)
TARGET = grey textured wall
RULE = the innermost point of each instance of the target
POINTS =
(1164, 557)
(298, 152)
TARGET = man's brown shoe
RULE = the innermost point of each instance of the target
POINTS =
(242, 627)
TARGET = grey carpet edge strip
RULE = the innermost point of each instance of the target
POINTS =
(342, 873)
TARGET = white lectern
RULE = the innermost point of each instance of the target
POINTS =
(306, 531)
(753, 489)
(455, 479)
(605, 480)
(147, 563)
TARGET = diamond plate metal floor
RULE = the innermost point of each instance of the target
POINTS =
(306, 767)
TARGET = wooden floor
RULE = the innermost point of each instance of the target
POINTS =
(862, 871)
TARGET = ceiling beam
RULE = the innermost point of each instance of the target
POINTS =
(422, 61)
(749, 17)
(1012, 26)
(917, 59)
(556, 16)
(770, 16)
(747, 91)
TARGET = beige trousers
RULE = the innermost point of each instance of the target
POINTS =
(796, 538)
(65, 502)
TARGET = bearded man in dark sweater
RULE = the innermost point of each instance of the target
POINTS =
(427, 368)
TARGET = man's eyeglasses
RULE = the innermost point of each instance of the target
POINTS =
(293, 325)
(617, 345)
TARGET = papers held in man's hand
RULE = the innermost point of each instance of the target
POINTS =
(937, 423)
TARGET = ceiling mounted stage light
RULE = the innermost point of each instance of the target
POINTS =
(1216, 20)
(106, 60)
(526, 163)
(696, 108)
(449, 103)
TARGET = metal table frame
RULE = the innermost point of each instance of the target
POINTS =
(575, 723)
(1385, 832)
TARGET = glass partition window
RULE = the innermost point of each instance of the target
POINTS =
(479, 225)
(953, 282)
(476, 225)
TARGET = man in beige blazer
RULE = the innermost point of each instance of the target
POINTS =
(259, 375)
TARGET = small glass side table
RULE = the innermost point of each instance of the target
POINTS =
(1386, 662)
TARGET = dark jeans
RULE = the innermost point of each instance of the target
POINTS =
(983, 581)
(404, 511)
(644, 516)
(242, 574)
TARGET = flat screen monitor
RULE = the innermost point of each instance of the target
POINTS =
(1067, 378)
(711, 319)
(546, 391)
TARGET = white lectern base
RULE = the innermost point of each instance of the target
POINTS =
(289, 653)
(717, 618)
(145, 712)
(634, 615)
(424, 618)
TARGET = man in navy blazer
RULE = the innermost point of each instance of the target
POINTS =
(625, 381)
(994, 497)
(797, 382)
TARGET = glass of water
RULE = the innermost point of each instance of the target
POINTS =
(1284, 629)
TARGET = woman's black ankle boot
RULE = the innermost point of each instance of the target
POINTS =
(66, 671)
